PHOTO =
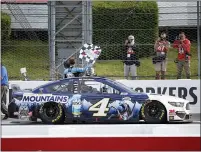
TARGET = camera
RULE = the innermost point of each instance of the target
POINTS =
(137, 63)
(187, 55)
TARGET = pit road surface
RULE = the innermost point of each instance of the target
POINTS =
(10, 121)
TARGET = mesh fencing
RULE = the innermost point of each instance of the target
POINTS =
(112, 26)
(113, 22)
(27, 46)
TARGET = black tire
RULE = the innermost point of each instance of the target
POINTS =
(52, 113)
(154, 112)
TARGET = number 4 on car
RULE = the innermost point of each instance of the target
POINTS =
(95, 100)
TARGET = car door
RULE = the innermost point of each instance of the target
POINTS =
(97, 97)
(65, 92)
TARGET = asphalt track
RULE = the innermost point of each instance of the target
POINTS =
(10, 121)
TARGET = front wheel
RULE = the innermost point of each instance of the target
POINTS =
(153, 112)
(52, 113)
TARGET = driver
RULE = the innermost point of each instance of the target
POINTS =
(71, 71)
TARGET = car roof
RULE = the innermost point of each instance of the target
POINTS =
(73, 78)
(87, 77)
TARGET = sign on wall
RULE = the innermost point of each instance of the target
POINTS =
(186, 89)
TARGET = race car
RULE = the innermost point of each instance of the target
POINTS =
(95, 99)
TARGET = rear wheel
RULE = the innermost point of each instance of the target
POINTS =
(52, 113)
(154, 112)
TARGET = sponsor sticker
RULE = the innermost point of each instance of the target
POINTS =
(172, 112)
(45, 98)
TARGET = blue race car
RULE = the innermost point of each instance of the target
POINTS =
(86, 99)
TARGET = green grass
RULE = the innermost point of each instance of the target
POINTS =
(34, 56)
(146, 70)
(30, 54)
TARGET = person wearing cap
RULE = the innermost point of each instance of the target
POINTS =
(130, 60)
(4, 90)
(161, 48)
(183, 46)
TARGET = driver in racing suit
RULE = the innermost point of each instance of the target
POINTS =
(71, 71)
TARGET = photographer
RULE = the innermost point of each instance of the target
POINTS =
(161, 48)
(183, 46)
(130, 59)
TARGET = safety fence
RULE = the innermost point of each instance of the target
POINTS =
(112, 23)
(27, 45)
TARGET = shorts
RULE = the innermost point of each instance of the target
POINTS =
(161, 66)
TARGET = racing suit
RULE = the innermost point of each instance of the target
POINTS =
(75, 71)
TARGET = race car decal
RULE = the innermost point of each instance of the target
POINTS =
(100, 107)
(76, 105)
(45, 98)
(124, 109)
(172, 112)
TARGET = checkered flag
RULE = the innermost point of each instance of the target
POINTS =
(90, 53)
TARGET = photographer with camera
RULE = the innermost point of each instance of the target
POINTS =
(161, 48)
(130, 59)
(183, 45)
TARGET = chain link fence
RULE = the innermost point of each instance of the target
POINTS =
(113, 22)
(27, 45)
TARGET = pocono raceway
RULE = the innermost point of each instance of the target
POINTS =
(36, 136)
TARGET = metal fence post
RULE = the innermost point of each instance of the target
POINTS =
(198, 36)
(51, 31)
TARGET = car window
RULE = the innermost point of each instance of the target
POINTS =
(122, 86)
(91, 86)
(61, 87)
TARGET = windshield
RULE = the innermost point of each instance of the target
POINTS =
(123, 86)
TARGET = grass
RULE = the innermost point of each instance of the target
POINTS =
(30, 54)
(34, 56)
(146, 70)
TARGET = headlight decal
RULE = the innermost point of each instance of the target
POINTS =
(176, 104)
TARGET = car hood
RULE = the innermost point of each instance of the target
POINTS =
(165, 98)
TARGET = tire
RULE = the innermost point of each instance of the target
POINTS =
(154, 112)
(51, 113)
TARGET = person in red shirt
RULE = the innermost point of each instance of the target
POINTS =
(183, 45)
(161, 48)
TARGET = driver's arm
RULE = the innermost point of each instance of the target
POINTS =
(81, 70)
